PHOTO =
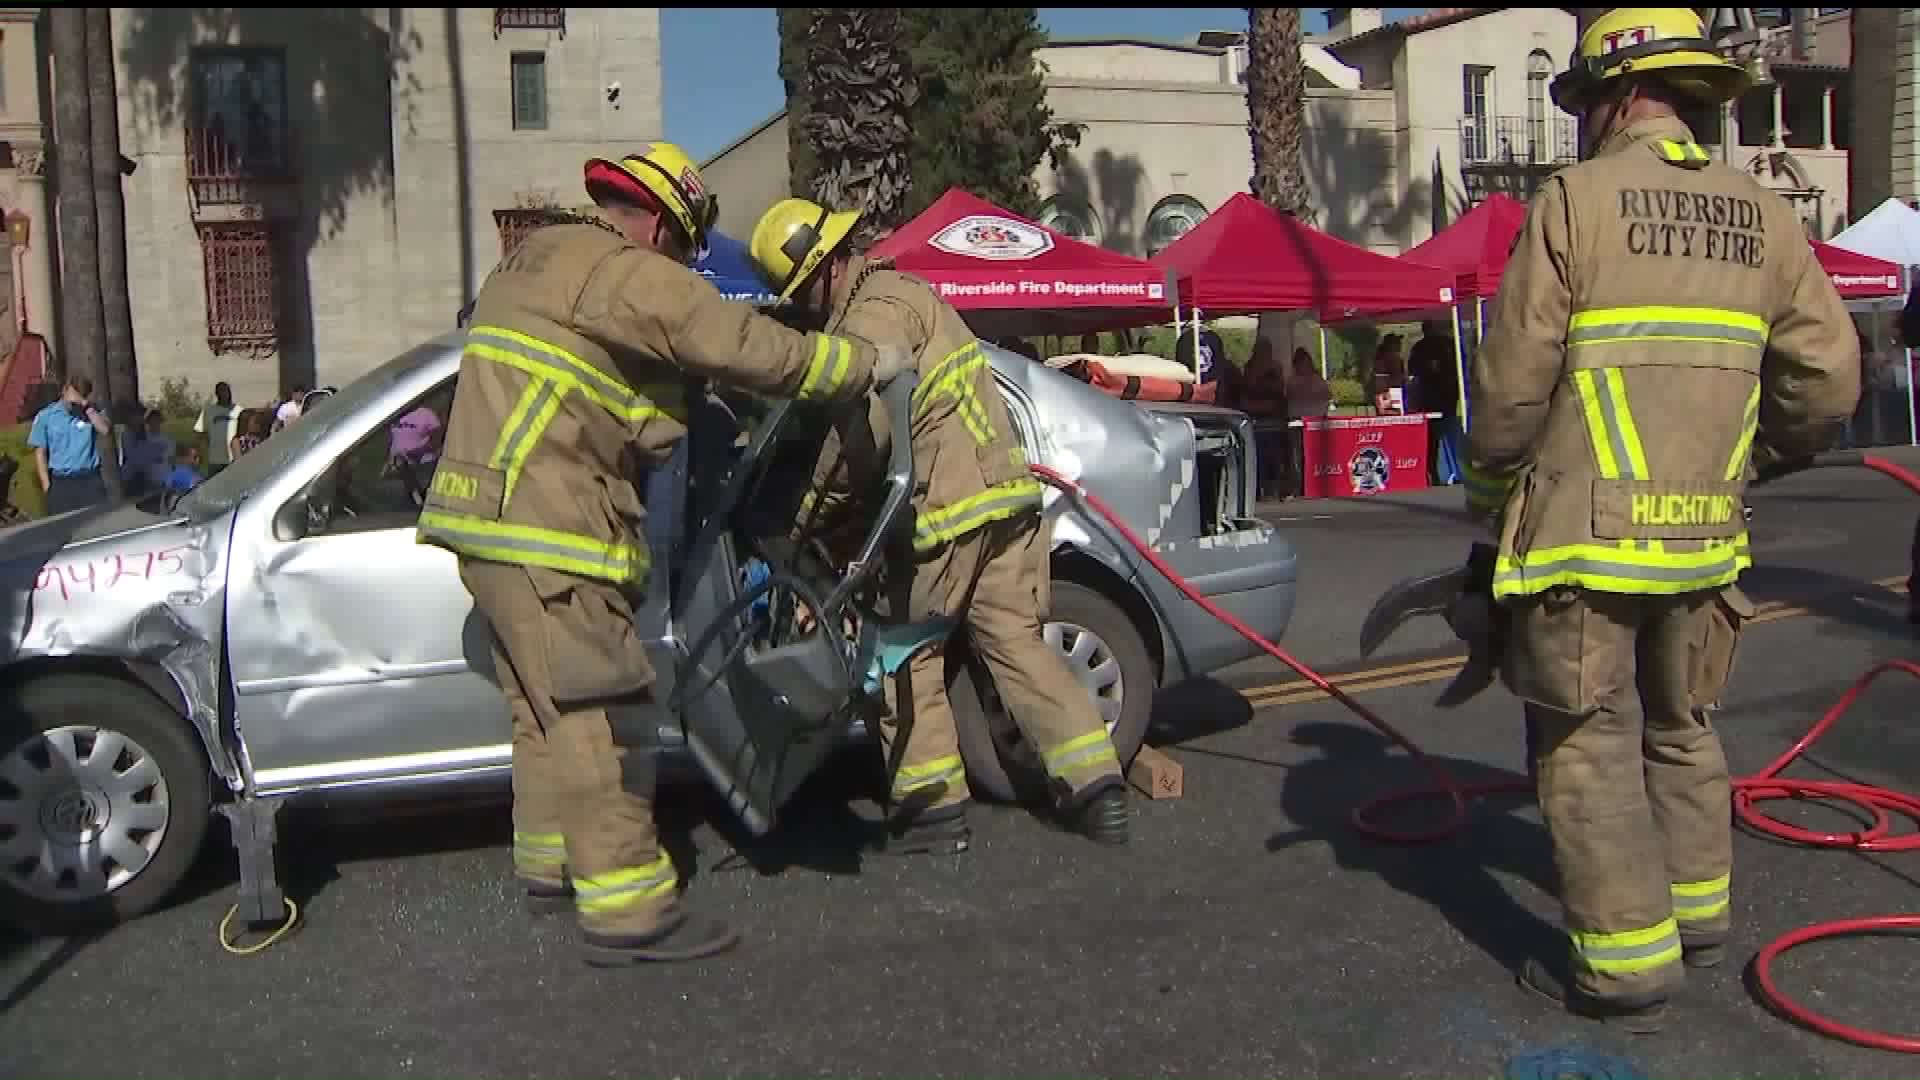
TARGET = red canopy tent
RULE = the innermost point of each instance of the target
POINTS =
(1011, 276)
(1475, 247)
(1245, 259)
(1856, 276)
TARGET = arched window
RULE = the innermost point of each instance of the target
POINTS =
(1539, 142)
(1170, 219)
(1072, 216)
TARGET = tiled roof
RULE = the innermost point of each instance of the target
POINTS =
(1414, 24)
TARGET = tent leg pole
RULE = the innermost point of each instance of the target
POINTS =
(1459, 366)
(1323, 354)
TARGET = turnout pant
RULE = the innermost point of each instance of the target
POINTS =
(574, 676)
(1631, 777)
(996, 578)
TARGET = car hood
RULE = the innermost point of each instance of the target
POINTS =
(45, 536)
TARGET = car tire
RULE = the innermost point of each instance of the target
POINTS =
(1000, 763)
(157, 786)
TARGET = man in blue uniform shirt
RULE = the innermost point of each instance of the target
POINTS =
(64, 452)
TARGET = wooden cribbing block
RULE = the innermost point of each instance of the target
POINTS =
(1156, 775)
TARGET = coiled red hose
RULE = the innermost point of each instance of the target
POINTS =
(1748, 792)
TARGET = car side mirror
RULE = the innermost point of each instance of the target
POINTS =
(292, 521)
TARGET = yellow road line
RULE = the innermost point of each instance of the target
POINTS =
(1434, 669)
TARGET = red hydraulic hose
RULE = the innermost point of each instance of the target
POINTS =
(1766, 785)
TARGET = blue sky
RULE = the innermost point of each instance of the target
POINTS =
(722, 63)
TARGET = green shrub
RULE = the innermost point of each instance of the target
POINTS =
(1348, 391)
(25, 493)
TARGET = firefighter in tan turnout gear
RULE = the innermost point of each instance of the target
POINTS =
(1662, 329)
(575, 371)
(976, 553)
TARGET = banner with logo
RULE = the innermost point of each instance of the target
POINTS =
(1363, 455)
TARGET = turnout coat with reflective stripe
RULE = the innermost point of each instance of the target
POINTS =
(1662, 326)
(969, 465)
(575, 375)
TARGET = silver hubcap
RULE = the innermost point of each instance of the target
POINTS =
(82, 811)
(1091, 662)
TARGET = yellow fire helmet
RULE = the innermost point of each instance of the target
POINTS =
(660, 176)
(1671, 42)
(794, 238)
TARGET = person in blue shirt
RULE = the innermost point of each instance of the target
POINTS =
(185, 473)
(64, 452)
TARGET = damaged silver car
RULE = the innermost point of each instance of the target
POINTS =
(277, 633)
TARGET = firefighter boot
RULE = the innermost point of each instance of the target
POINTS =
(547, 897)
(1702, 956)
(681, 937)
(1100, 812)
(1641, 1014)
(940, 830)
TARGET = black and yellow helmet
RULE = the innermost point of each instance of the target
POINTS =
(793, 238)
(1668, 42)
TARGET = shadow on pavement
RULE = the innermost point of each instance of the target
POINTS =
(1196, 709)
(18, 985)
(1455, 876)
(1867, 609)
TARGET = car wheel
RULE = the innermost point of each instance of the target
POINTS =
(1104, 651)
(104, 802)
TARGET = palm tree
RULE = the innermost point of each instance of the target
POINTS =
(860, 93)
(1276, 108)
(82, 323)
(796, 37)
(103, 108)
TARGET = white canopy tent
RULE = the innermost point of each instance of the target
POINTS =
(1890, 232)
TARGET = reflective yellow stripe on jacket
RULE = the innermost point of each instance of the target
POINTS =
(1488, 489)
(954, 377)
(553, 373)
(1600, 387)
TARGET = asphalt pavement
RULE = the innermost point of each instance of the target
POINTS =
(1247, 931)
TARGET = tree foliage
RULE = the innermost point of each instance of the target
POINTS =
(981, 121)
(943, 97)
(1276, 109)
(857, 127)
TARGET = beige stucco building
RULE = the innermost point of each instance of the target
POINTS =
(317, 190)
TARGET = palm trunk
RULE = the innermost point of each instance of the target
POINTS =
(122, 367)
(83, 329)
(796, 66)
(1276, 109)
(82, 324)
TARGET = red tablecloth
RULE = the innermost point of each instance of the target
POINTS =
(1364, 455)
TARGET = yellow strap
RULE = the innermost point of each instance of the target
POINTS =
(827, 371)
(1630, 951)
(527, 545)
(1622, 569)
(1610, 427)
(949, 523)
(539, 359)
(1749, 426)
(273, 938)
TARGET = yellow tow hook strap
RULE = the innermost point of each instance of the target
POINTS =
(228, 943)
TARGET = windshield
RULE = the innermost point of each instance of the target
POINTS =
(222, 493)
